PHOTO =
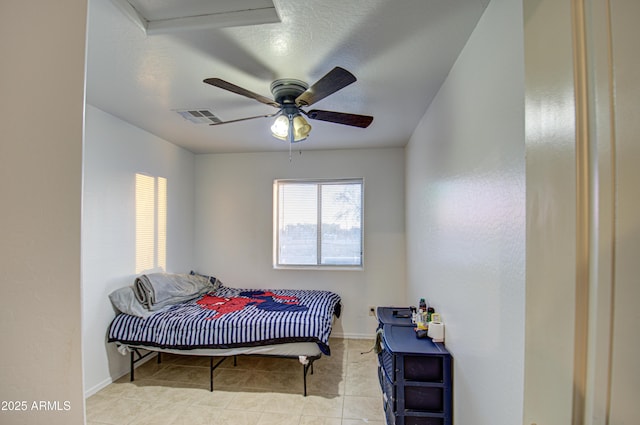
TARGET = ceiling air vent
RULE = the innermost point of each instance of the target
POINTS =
(199, 116)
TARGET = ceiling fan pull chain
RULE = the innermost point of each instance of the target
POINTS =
(290, 134)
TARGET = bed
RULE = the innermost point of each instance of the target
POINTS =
(222, 322)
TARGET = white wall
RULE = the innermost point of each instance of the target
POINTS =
(234, 222)
(465, 168)
(114, 152)
(42, 49)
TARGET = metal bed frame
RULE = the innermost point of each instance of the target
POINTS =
(306, 367)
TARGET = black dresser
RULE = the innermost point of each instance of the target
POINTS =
(415, 374)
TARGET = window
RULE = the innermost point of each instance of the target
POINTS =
(318, 223)
(151, 222)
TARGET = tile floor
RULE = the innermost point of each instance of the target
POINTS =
(343, 390)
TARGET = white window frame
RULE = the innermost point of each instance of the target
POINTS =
(318, 265)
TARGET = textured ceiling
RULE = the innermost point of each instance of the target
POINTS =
(400, 51)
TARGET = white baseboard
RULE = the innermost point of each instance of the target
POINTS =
(93, 390)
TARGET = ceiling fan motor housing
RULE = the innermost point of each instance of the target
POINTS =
(285, 91)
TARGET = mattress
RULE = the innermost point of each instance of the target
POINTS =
(244, 320)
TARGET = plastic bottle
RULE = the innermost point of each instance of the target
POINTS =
(423, 305)
(430, 312)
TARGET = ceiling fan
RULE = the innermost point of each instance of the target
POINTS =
(290, 96)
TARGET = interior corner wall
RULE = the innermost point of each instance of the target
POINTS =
(465, 226)
(234, 219)
(114, 152)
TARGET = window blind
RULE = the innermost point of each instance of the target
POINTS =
(318, 222)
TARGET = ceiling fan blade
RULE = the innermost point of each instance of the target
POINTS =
(354, 120)
(217, 82)
(333, 81)
(245, 119)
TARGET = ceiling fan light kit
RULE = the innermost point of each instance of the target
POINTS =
(290, 96)
(281, 128)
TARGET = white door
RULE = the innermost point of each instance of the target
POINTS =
(583, 212)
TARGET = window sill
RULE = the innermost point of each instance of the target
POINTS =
(320, 268)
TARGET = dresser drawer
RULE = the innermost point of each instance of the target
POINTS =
(424, 368)
(424, 399)
(417, 420)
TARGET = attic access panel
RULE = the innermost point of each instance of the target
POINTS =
(164, 16)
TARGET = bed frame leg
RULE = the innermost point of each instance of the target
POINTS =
(211, 374)
(131, 368)
(133, 361)
(213, 367)
(304, 378)
(305, 369)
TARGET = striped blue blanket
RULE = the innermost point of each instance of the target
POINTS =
(232, 317)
